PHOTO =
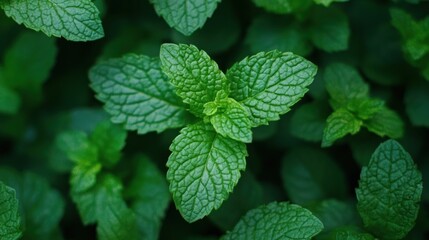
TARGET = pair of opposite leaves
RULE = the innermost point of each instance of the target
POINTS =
(147, 94)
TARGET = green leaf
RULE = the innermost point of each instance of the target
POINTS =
(203, 169)
(38, 62)
(326, 3)
(283, 6)
(109, 139)
(339, 124)
(9, 100)
(232, 120)
(137, 94)
(268, 33)
(386, 123)
(77, 147)
(344, 83)
(416, 104)
(269, 83)
(196, 77)
(389, 192)
(308, 121)
(276, 221)
(335, 214)
(150, 198)
(185, 16)
(75, 20)
(10, 220)
(365, 108)
(330, 30)
(41, 207)
(348, 233)
(304, 176)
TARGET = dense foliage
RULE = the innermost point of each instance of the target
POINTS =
(210, 119)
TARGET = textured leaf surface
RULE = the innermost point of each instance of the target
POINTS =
(75, 20)
(150, 198)
(233, 121)
(389, 192)
(185, 16)
(10, 220)
(339, 124)
(203, 169)
(276, 221)
(269, 83)
(41, 207)
(196, 77)
(137, 94)
(330, 30)
(386, 123)
(344, 83)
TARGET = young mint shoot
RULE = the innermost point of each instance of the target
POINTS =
(147, 94)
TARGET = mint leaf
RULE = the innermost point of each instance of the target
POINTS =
(137, 94)
(340, 123)
(276, 221)
(348, 233)
(109, 139)
(10, 220)
(232, 120)
(389, 192)
(330, 30)
(386, 123)
(304, 176)
(275, 33)
(195, 76)
(38, 62)
(344, 83)
(308, 121)
(185, 16)
(75, 20)
(9, 100)
(269, 83)
(203, 169)
(335, 214)
(416, 104)
(40, 206)
(150, 198)
(365, 109)
(283, 6)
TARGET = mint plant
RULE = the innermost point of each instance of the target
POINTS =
(210, 152)
(9, 218)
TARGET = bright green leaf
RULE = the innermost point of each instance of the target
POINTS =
(75, 20)
(276, 221)
(330, 30)
(283, 6)
(77, 147)
(365, 108)
(41, 207)
(203, 169)
(389, 192)
(196, 77)
(150, 198)
(232, 120)
(137, 94)
(339, 124)
(10, 220)
(185, 16)
(304, 176)
(344, 83)
(386, 123)
(269, 83)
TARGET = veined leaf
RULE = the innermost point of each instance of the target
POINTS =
(339, 124)
(10, 220)
(203, 169)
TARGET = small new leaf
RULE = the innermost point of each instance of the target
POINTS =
(203, 168)
(389, 192)
(196, 77)
(386, 123)
(276, 221)
(339, 124)
(10, 220)
(269, 83)
(185, 16)
(232, 121)
(75, 20)
(137, 94)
